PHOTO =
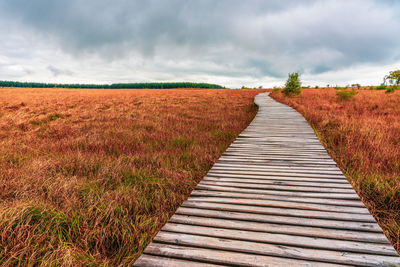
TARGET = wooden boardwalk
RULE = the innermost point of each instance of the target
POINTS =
(274, 198)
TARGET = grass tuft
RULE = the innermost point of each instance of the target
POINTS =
(181, 143)
(53, 117)
(344, 94)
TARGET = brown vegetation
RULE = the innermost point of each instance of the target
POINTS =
(363, 136)
(89, 176)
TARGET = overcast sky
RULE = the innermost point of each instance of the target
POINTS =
(228, 42)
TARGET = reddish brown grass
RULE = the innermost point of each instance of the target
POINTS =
(87, 177)
(363, 137)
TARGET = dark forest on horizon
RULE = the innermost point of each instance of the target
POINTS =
(151, 85)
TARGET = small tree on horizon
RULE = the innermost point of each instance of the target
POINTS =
(293, 85)
(393, 77)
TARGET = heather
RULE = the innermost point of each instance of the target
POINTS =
(87, 177)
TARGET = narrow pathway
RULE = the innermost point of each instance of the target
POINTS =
(274, 198)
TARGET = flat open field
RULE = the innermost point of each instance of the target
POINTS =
(363, 137)
(87, 177)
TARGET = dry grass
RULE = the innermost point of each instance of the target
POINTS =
(363, 137)
(87, 177)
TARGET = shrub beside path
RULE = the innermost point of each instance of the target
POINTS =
(274, 197)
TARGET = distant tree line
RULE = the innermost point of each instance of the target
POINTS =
(161, 85)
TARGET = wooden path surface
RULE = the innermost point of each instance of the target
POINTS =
(274, 198)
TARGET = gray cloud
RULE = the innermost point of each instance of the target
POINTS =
(224, 38)
(57, 72)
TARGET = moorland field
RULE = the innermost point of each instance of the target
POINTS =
(87, 177)
(363, 136)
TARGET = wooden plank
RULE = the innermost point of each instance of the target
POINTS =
(265, 154)
(323, 171)
(271, 179)
(336, 202)
(263, 172)
(317, 150)
(258, 154)
(278, 136)
(277, 149)
(281, 187)
(328, 256)
(284, 220)
(260, 149)
(224, 257)
(165, 261)
(258, 181)
(203, 186)
(276, 145)
(277, 168)
(315, 158)
(278, 157)
(282, 211)
(307, 137)
(229, 223)
(270, 158)
(285, 142)
(281, 204)
(283, 239)
(295, 176)
(277, 162)
(273, 152)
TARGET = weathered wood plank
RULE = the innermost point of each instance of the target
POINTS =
(335, 202)
(278, 173)
(276, 192)
(230, 223)
(282, 211)
(165, 261)
(281, 204)
(277, 145)
(269, 179)
(283, 220)
(312, 158)
(267, 162)
(256, 180)
(223, 257)
(264, 172)
(283, 239)
(290, 151)
(261, 168)
(281, 187)
(282, 160)
(274, 179)
(328, 256)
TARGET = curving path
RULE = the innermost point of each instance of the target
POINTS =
(275, 197)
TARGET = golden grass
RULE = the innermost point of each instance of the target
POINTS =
(363, 137)
(87, 177)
